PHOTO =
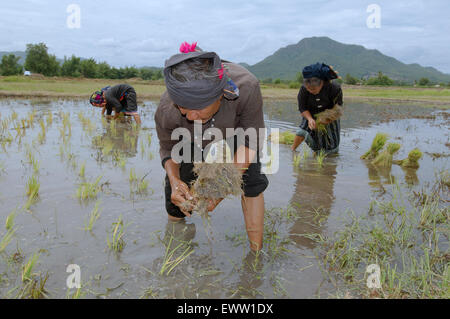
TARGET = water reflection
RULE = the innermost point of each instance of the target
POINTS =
(118, 140)
(313, 198)
(379, 176)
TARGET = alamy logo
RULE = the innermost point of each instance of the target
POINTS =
(74, 279)
(374, 19)
(220, 152)
(373, 280)
(74, 19)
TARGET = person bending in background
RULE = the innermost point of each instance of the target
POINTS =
(121, 98)
(317, 94)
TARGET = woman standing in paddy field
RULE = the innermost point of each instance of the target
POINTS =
(317, 94)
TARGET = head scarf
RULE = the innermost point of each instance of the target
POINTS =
(97, 96)
(197, 94)
(319, 70)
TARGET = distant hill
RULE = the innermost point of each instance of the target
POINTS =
(345, 58)
(21, 54)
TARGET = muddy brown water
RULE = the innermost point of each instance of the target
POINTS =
(220, 265)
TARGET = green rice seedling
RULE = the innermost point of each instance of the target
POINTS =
(42, 125)
(49, 118)
(33, 186)
(82, 171)
(6, 239)
(286, 137)
(132, 176)
(142, 149)
(296, 160)
(175, 255)
(31, 116)
(142, 186)
(149, 139)
(93, 216)
(76, 295)
(384, 159)
(34, 288)
(305, 152)
(10, 220)
(27, 269)
(116, 242)
(88, 190)
(412, 161)
(377, 144)
(320, 156)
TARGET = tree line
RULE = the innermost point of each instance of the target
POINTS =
(38, 60)
(380, 80)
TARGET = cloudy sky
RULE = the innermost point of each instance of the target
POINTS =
(138, 32)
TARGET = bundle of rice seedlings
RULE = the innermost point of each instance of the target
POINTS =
(329, 115)
(412, 161)
(214, 181)
(384, 159)
(377, 144)
(285, 137)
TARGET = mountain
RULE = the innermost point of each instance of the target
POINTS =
(345, 58)
(21, 54)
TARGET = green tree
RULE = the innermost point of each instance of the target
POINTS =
(146, 74)
(88, 68)
(381, 79)
(157, 75)
(103, 70)
(71, 66)
(10, 65)
(424, 81)
(350, 79)
(131, 72)
(277, 81)
(39, 61)
(299, 77)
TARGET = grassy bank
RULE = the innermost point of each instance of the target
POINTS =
(19, 86)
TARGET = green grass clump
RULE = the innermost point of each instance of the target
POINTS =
(320, 156)
(412, 161)
(285, 137)
(27, 269)
(384, 159)
(377, 144)
(32, 190)
(6, 239)
(115, 241)
(93, 216)
(89, 190)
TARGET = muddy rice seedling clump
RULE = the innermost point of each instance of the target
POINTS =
(327, 116)
(412, 161)
(384, 159)
(377, 144)
(214, 181)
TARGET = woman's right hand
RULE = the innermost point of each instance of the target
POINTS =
(311, 124)
(180, 194)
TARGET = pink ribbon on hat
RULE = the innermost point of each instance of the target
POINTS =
(186, 47)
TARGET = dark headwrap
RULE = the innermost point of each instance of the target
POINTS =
(197, 94)
(97, 96)
(319, 70)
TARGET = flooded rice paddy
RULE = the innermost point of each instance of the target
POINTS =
(77, 189)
